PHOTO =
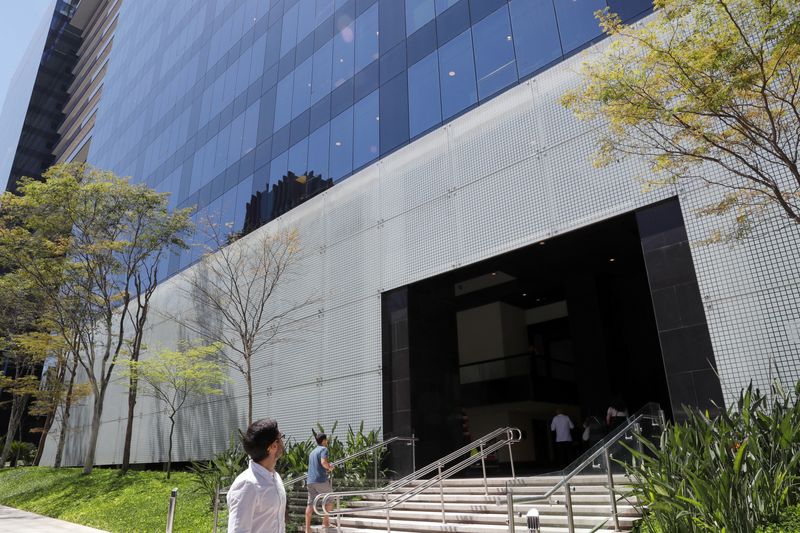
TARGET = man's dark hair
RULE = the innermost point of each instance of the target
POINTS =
(259, 436)
(321, 437)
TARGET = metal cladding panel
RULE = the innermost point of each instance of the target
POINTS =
(512, 172)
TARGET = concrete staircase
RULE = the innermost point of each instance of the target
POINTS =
(469, 510)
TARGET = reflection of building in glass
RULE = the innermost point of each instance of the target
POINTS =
(289, 192)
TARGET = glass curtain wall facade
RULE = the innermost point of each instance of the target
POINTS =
(246, 108)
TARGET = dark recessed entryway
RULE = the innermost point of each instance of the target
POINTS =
(568, 322)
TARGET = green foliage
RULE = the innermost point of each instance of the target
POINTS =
(789, 521)
(105, 500)
(704, 82)
(294, 462)
(22, 452)
(726, 474)
(219, 472)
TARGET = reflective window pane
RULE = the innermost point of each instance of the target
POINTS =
(341, 145)
(289, 30)
(366, 38)
(495, 65)
(321, 72)
(318, 149)
(577, 23)
(418, 13)
(441, 5)
(424, 103)
(457, 75)
(536, 40)
(301, 99)
(298, 157)
(306, 18)
(365, 130)
(343, 52)
(283, 102)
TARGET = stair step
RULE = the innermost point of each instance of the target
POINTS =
(355, 525)
(543, 508)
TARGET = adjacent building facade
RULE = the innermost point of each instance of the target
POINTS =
(470, 267)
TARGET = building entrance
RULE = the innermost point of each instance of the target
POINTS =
(564, 324)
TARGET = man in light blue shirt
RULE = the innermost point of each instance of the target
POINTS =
(318, 481)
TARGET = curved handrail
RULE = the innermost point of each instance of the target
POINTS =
(512, 436)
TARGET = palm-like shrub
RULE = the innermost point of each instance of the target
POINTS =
(727, 474)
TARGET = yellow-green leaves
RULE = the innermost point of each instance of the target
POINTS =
(706, 90)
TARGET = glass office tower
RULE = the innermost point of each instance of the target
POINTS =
(246, 108)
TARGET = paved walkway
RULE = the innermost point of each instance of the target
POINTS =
(16, 521)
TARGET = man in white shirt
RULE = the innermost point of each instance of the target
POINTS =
(562, 426)
(257, 499)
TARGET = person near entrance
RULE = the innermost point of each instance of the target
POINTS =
(257, 499)
(562, 426)
(617, 413)
(318, 481)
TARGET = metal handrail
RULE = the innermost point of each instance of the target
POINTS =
(372, 449)
(602, 450)
(412, 440)
(484, 444)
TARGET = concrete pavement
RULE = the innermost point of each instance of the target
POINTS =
(17, 521)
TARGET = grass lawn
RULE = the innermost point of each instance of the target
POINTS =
(136, 502)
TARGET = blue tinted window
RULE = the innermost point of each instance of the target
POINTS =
(322, 71)
(452, 22)
(250, 127)
(283, 102)
(577, 23)
(289, 32)
(494, 53)
(324, 10)
(536, 38)
(306, 18)
(302, 88)
(366, 38)
(278, 168)
(298, 156)
(418, 13)
(237, 133)
(628, 9)
(441, 5)
(318, 148)
(392, 24)
(341, 145)
(343, 51)
(424, 104)
(394, 113)
(365, 130)
(457, 75)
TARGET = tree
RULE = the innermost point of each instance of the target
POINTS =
(706, 82)
(237, 282)
(174, 376)
(108, 231)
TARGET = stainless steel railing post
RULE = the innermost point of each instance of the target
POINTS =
(611, 494)
(375, 461)
(510, 508)
(441, 491)
(388, 514)
(171, 513)
(413, 453)
(216, 508)
(511, 456)
(338, 514)
(483, 466)
(568, 502)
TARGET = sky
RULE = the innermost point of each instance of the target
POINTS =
(17, 25)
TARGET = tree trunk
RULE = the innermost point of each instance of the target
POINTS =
(249, 380)
(62, 437)
(43, 436)
(17, 410)
(126, 451)
(51, 415)
(169, 453)
(88, 462)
